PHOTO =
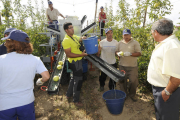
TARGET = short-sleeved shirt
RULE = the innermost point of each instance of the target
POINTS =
(132, 46)
(3, 49)
(164, 62)
(103, 16)
(17, 72)
(108, 50)
(68, 42)
(53, 14)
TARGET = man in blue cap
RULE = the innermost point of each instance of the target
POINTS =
(128, 50)
(3, 49)
(107, 48)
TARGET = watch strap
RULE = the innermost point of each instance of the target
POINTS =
(167, 92)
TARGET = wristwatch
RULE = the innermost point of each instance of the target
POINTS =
(167, 92)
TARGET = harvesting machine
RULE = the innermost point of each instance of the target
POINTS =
(56, 53)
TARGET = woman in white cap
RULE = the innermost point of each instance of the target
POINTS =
(102, 16)
(17, 71)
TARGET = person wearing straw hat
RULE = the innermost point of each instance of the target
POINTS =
(17, 71)
(164, 71)
(107, 49)
(102, 16)
(3, 49)
(128, 50)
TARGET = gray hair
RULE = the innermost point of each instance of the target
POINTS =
(163, 26)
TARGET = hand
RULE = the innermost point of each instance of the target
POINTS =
(39, 82)
(120, 54)
(164, 96)
(127, 54)
(84, 54)
(51, 21)
(84, 37)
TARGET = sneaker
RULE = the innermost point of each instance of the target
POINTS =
(78, 104)
(101, 89)
(134, 99)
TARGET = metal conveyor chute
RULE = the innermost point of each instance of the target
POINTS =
(53, 30)
(108, 69)
(85, 30)
(53, 86)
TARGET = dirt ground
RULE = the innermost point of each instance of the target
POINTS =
(57, 107)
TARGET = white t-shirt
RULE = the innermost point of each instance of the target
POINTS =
(53, 14)
(108, 50)
(164, 62)
(17, 72)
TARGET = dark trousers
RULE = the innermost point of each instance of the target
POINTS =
(102, 26)
(54, 25)
(102, 79)
(131, 86)
(76, 81)
(168, 110)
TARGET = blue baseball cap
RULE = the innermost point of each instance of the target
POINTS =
(17, 35)
(49, 2)
(126, 31)
(101, 7)
(9, 30)
(107, 30)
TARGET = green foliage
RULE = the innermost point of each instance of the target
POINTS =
(134, 19)
(34, 13)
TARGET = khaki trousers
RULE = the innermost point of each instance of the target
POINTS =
(130, 86)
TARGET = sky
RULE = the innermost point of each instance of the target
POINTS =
(87, 7)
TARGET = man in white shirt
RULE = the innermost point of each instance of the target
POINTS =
(107, 48)
(164, 71)
(52, 15)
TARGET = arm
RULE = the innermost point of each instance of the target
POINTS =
(100, 17)
(72, 55)
(48, 16)
(171, 87)
(136, 54)
(99, 50)
(84, 37)
(49, 19)
(62, 15)
(45, 76)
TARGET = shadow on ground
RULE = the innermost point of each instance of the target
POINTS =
(57, 107)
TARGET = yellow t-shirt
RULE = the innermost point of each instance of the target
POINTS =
(69, 43)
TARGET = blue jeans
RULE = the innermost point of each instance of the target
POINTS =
(54, 25)
(25, 112)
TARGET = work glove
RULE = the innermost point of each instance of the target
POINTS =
(120, 54)
(127, 54)
(39, 82)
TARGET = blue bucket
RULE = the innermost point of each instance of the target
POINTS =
(91, 45)
(114, 101)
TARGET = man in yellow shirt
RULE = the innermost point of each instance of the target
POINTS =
(71, 47)
(164, 71)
